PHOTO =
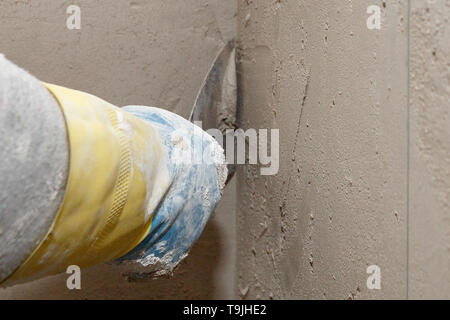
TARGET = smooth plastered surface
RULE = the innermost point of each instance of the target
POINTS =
(364, 150)
(429, 230)
(338, 93)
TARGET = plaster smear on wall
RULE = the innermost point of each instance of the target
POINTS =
(127, 52)
(338, 93)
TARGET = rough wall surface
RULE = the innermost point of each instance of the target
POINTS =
(338, 93)
(130, 52)
(429, 226)
(33, 139)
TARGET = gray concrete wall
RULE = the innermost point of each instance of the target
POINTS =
(364, 170)
(363, 119)
(429, 230)
(130, 52)
(338, 93)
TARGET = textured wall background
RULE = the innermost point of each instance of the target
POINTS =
(338, 93)
(364, 176)
(429, 230)
(130, 52)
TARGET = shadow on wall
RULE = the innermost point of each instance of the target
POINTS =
(193, 279)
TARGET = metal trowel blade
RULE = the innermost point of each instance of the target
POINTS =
(215, 106)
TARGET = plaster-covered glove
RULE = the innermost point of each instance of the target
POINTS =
(142, 184)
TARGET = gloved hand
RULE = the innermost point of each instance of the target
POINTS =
(142, 183)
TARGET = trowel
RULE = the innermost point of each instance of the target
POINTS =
(215, 105)
(214, 109)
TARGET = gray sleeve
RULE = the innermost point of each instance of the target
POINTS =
(34, 161)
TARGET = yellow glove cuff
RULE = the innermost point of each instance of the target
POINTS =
(118, 175)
